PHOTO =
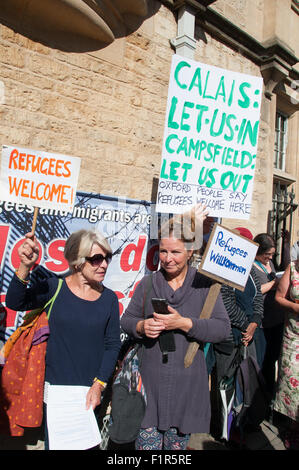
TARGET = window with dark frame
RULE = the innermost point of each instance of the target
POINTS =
(281, 127)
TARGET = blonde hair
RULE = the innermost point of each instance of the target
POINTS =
(181, 227)
(186, 228)
(79, 245)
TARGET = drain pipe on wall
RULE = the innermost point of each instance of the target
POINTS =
(185, 44)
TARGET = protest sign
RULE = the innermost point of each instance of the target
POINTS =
(42, 179)
(228, 257)
(210, 140)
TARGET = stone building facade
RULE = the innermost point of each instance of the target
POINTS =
(90, 79)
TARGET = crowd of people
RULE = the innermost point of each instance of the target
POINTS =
(263, 320)
(84, 341)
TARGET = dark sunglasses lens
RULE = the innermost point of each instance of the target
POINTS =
(97, 260)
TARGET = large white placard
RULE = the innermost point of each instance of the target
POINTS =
(43, 179)
(210, 140)
(228, 257)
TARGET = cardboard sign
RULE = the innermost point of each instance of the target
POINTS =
(210, 140)
(228, 257)
(45, 180)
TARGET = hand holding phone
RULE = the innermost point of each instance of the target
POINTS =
(166, 338)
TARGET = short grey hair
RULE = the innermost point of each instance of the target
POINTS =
(78, 246)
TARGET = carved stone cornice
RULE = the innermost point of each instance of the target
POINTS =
(227, 32)
(66, 22)
(275, 58)
(198, 5)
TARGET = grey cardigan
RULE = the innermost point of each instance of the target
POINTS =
(177, 396)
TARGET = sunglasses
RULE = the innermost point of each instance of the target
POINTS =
(97, 260)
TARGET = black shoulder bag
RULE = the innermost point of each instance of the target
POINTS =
(128, 402)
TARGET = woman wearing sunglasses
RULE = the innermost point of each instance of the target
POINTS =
(84, 339)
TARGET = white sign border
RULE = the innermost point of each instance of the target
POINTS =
(210, 245)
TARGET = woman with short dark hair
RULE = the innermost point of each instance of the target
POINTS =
(273, 315)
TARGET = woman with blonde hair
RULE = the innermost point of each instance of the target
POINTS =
(84, 339)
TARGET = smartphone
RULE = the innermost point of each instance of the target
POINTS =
(160, 305)
(166, 338)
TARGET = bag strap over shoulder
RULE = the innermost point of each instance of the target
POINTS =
(147, 291)
(37, 311)
(29, 318)
(52, 300)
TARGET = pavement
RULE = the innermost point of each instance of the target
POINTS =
(268, 437)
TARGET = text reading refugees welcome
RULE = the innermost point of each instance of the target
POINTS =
(39, 165)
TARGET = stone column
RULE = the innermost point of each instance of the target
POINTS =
(184, 43)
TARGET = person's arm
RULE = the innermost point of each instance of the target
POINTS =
(19, 296)
(282, 293)
(258, 301)
(267, 286)
(258, 311)
(214, 329)
(112, 342)
(112, 347)
(263, 278)
(132, 320)
(236, 315)
(28, 253)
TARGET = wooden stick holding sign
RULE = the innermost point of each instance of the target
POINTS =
(34, 222)
(227, 259)
(205, 313)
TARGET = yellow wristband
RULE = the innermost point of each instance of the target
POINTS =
(24, 281)
(104, 384)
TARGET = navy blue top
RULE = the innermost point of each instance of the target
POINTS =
(84, 339)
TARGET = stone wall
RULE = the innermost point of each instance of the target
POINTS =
(263, 19)
(106, 107)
